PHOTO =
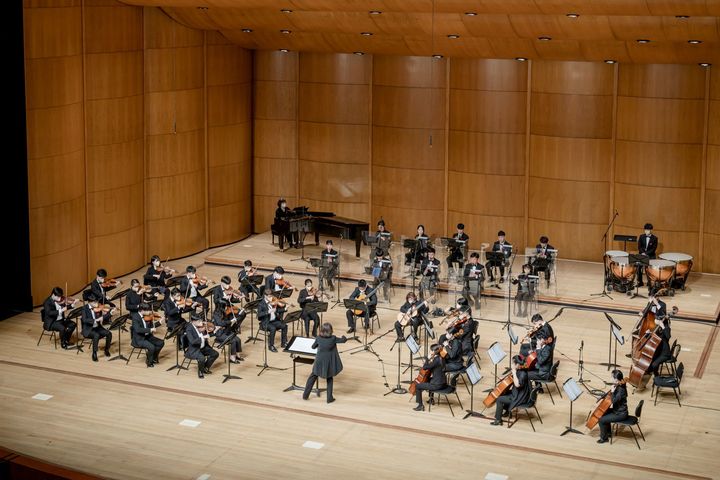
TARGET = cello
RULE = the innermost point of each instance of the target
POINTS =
(644, 350)
(601, 408)
(500, 389)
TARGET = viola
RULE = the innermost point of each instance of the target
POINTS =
(284, 284)
(152, 316)
(110, 283)
(103, 308)
(232, 310)
(208, 327)
(200, 281)
(67, 301)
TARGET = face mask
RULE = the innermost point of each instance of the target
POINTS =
(647, 232)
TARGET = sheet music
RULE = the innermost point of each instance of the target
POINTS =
(303, 345)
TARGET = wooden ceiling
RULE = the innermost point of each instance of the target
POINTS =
(602, 29)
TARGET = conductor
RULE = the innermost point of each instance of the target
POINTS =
(327, 361)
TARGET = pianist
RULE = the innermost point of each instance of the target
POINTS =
(282, 217)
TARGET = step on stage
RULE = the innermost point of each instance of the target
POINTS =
(574, 286)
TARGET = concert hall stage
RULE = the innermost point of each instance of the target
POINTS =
(574, 286)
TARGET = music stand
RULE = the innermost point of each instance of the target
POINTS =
(75, 314)
(252, 307)
(316, 307)
(495, 258)
(175, 333)
(398, 388)
(625, 239)
(572, 390)
(228, 375)
(353, 305)
(496, 354)
(429, 332)
(513, 341)
(118, 296)
(474, 375)
(614, 333)
(119, 324)
(300, 348)
(292, 317)
(640, 261)
(413, 348)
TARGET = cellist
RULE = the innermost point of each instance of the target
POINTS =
(436, 366)
(618, 409)
(520, 393)
(663, 352)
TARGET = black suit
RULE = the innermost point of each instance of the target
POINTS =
(143, 337)
(155, 279)
(173, 313)
(616, 413)
(225, 326)
(100, 292)
(506, 248)
(247, 287)
(543, 366)
(414, 321)
(327, 364)
(473, 278)
(283, 217)
(186, 290)
(132, 301)
(371, 303)
(52, 321)
(95, 331)
(303, 300)
(647, 245)
(663, 351)
(271, 326)
(454, 360)
(457, 254)
(199, 349)
(518, 396)
(430, 270)
(543, 260)
(437, 378)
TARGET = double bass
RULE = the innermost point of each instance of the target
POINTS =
(602, 407)
(645, 347)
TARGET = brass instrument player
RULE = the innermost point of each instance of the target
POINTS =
(383, 240)
(525, 290)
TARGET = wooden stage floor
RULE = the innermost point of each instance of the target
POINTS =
(122, 421)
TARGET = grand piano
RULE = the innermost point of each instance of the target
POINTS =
(305, 221)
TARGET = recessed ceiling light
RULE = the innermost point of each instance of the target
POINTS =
(642, 40)
(704, 64)
(572, 15)
(284, 50)
(247, 30)
(453, 36)
(366, 34)
(286, 10)
(359, 54)
(471, 14)
(682, 17)
(610, 61)
(521, 59)
(437, 55)
(694, 42)
(374, 12)
(286, 32)
(544, 38)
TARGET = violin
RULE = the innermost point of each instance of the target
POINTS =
(187, 302)
(110, 283)
(166, 270)
(232, 309)
(235, 293)
(284, 284)
(200, 281)
(103, 308)
(152, 316)
(207, 327)
(533, 331)
(67, 301)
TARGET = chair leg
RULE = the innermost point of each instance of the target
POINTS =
(530, 419)
(558, 389)
(550, 393)
(677, 397)
(634, 436)
(132, 350)
(459, 402)
(657, 394)
(42, 334)
(449, 405)
(641, 432)
(538, 413)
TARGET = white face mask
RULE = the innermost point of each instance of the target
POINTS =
(647, 232)
(283, 205)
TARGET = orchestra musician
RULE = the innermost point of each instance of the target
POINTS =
(541, 328)
(308, 295)
(525, 290)
(419, 252)
(100, 286)
(430, 269)
(457, 254)
(383, 240)
(174, 306)
(224, 297)
(134, 296)
(270, 314)
(246, 286)
(93, 316)
(361, 292)
(276, 281)
(663, 351)
(157, 275)
(382, 272)
(142, 333)
(329, 265)
(417, 309)
(544, 363)
(519, 394)
(283, 214)
(473, 278)
(327, 362)
(618, 410)
(191, 285)
(436, 366)
(198, 340)
(53, 316)
(543, 258)
(647, 245)
(500, 245)
(227, 322)
(454, 353)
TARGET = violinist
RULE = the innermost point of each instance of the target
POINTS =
(454, 353)
(308, 295)
(519, 393)
(93, 316)
(328, 265)
(134, 296)
(157, 275)
(436, 366)
(142, 330)
(283, 214)
(225, 292)
(199, 348)
(54, 316)
(228, 322)
(457, 253)
(417, 309)
(458, 315)
(246, 286)
(276, 281)
(430, 270)
(174, 306)
(541, 328)
(525, 290)
(361, 292)
(543, 258)
(419, 252)
(101, 285)
(543, 365)
(473, 278)
(270, 315)
(618, 410)
(382, 272)
(468, 327)
(191, 285)
(663, 351)
(501, 245)
(647, 245)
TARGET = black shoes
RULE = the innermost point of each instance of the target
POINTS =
(496, 422)
(283, 345)
(602, 440)
(208, 371)
(107, 353)
(272, 348)
(419, 408)
(331, 399)
(150, 365)
(350, 330)
(200, 374)
(94, 357)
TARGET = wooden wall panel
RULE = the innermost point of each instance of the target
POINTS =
(56, 151)
(333, 135)
(711, 224)
(486, 184)
(408, 171)
(229, 78)
(660, 125)
(114, 144)
(570, 156)
(275, 134)
(175, 150)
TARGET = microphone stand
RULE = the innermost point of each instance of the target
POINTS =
(605, 268)
(337, 274)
